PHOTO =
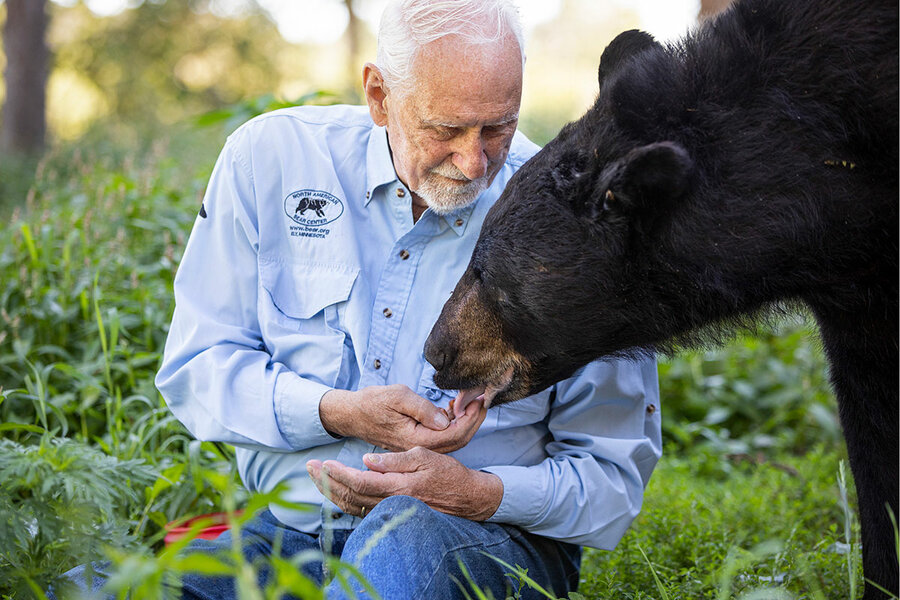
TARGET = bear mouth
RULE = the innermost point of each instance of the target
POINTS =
(485, 393)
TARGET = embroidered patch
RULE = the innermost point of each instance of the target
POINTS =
(310, 210)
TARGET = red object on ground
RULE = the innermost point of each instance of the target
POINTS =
(218, 525)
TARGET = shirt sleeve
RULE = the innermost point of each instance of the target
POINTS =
(217, 376)
(606, 439)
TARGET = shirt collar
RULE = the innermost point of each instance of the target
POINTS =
(458, 220)
(380, 171)
(379, 166)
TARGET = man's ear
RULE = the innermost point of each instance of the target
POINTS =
(624, 46)
(649, 177)
(376, 93)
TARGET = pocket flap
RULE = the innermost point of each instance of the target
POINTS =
(301, 290)
(427, 387)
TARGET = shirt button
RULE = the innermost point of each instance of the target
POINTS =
(651, 409)
(459, 222)
(404, 254)
(401, 192)
(377, 364)
(337, 514)
(368, 194)
(387, 313)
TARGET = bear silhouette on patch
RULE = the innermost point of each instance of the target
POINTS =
(311, 204)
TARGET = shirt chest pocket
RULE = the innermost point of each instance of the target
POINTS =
(302, 309)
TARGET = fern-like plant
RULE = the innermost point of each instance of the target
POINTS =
(61, 504)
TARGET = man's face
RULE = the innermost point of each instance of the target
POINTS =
(450, 132)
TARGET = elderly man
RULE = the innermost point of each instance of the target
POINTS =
(328, 240)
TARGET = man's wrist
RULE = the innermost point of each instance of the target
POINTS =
(334, 408)
(490, 494)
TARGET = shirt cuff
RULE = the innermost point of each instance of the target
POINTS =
(523, 504)
(297, 411)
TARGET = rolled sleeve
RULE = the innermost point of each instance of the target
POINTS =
(297, 411)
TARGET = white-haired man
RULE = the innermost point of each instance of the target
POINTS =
(328, 240)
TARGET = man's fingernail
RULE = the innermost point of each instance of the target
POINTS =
(373, 458)
(441, 421)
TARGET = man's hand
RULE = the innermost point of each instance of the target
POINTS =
(396, 418)
(441, 481)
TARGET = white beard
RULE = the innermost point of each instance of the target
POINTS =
(444, 196)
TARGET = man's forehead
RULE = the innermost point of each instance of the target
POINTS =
(436, 120)
(460, 84)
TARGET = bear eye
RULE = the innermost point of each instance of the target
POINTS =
(608, 200)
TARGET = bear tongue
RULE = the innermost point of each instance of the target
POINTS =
(463, 398)
(486, 393)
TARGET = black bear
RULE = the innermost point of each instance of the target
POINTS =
(750, 167)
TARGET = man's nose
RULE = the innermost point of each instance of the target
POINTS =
(470, 157)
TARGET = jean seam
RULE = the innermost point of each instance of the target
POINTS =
(462, 547)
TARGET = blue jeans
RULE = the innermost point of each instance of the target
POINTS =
(419, 558)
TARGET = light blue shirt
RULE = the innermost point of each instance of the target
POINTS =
(307, 273)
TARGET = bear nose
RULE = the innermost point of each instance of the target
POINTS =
(437, 351)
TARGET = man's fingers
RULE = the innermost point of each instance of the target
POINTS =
(456, 435)
(427, 413)
(475, 410)
(397, 462)
(331, 480)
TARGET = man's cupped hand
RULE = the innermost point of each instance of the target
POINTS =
(395, 418)
(441, 481)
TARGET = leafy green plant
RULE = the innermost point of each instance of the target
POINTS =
(61, 504)
(236, 114)
(758, 393)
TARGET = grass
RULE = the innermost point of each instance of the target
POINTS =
(777, 523)
(746, 503)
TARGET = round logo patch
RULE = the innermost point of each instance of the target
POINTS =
(313, 208)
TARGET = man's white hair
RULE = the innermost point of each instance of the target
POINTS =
(407, 25)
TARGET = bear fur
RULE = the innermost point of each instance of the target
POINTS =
(750, 168)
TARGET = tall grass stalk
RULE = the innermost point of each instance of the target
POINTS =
(848, 521)
(663, 593)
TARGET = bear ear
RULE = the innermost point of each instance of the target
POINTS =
(648, 177)
(624, 46)
(653, 173)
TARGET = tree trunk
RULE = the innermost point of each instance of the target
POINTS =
(354, 69)
(24, 124)
(710, 8)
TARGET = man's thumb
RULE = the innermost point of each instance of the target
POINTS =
(430, 415)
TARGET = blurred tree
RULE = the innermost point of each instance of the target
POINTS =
(353, 34)
(163, 61)
(23, 127)
(710, 8)
(156, 62)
